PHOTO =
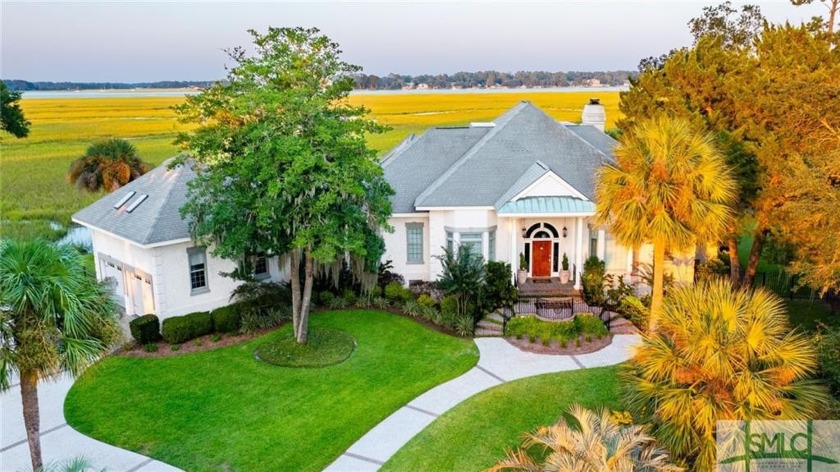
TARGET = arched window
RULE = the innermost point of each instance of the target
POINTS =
(541, 234)
(543, 230)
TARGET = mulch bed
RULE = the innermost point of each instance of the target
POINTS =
(204, 343)
(554, 348)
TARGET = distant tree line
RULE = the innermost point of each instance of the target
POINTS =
(492, 78)
(24, 85)
(480, 79)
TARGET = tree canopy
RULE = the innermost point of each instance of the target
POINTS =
(53, 318)
(283, 165)
(12, 120)
(108, 165)
(768, 94)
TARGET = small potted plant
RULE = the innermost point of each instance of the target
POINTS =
(564, 274)
(522, 273)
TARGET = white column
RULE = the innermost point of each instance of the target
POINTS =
(578, 251)
(485, 245)
(514, 255)
(602, 244)
(629, 264)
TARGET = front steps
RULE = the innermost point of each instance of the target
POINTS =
(491, 325)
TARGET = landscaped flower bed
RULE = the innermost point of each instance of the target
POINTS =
(582, 330)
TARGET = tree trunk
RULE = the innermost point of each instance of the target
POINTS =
(658, 291)
(755, 255)
(309, 278)
(832, 14)
(31, 416)
(734, 261)
(296, 298)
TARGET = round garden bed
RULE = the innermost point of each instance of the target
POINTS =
(324, 347)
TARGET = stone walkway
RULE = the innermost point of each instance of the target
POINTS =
(60, 442)
(499, 362)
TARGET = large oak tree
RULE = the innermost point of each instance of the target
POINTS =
(283, 165)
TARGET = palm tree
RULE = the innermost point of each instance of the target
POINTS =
(53, 318)
(669, 187)
(595, 443)
(719, 354)
(108, 164)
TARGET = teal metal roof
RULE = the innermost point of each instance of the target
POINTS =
(540, 205)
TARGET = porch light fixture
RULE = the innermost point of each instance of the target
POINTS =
(524, 232)
(565, 231)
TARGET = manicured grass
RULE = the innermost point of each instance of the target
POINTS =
(531, 328)
(324, 347)
(225, 410)
(32, 170)
(475, 434)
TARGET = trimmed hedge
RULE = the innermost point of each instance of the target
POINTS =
(227, 319)
(179, 329)
(396, 293)
(145, 329)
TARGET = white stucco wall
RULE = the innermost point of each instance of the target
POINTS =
(168, 267)
(396, 248)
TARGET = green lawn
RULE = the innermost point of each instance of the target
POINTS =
(475, 434)
(224, 410)
(807, 314)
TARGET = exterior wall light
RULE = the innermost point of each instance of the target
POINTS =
(565, 231)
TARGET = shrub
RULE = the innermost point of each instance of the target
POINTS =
(463, 277)
(449, 306)
(588, 440)
(261, 298)
(426, 300)
(150, 347)
(396, 293)
(590, 324)
(545, 330)
(349, 296)
(546, 341)
(564, 343)
(175, 347)
(498, 289)
(216, 337)
(178, 329)
(257, 321)
(381, 303)
(593, 278)
(429, 313)
(588, 338)
(464, 325)
(412, 308)
(227, 319)
(577, 342)
(387, 277)
(337, 303)
(145, 329)
(327, 298)
(827, 342)
(633, 309)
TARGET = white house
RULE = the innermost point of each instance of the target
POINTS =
(521, 184)
(143, 247)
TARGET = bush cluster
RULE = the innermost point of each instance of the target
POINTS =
(227, 319)
(178, 329)
(586, 325)
(396, 293)
(145, 329)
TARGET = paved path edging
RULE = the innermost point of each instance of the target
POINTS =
(59, 441)
(499, 362)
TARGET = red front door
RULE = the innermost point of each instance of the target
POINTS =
(542, 259)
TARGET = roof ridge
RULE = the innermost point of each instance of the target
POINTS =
(566, 127)
(473, 150)
(400, 148)
(165, 200)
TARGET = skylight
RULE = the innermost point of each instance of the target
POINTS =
(140, 199)
(123, 200)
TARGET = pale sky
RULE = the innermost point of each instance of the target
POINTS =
(151, 41)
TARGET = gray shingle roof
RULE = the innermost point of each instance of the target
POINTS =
(488, 168)
(156, 220)
(537, 170)
(419, 161)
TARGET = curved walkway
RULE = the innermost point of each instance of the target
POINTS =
(499, 362)
(60, 442)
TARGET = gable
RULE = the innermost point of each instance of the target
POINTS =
(549, 185)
